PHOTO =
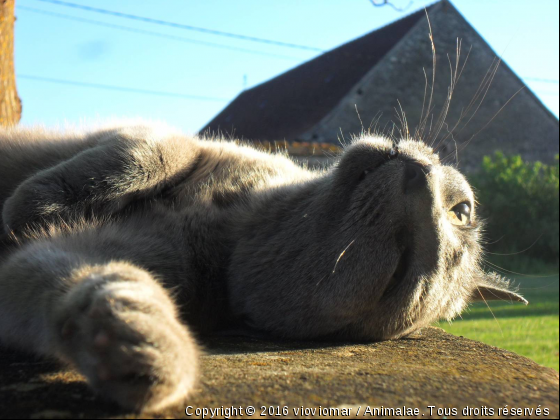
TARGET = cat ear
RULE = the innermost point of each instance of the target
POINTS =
(495, 287)
(494, 293)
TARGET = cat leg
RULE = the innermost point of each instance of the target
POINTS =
(122, 165)
(26, 151)
(109, 318)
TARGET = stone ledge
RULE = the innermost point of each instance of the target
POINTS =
(430, 368)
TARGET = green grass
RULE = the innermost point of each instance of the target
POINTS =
(531, 331)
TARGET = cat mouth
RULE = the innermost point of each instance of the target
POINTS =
(400, 273)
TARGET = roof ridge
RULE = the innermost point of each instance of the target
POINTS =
(359, 37)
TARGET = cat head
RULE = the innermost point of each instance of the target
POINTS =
(384, 243)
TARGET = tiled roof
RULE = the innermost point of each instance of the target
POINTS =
(295, 101)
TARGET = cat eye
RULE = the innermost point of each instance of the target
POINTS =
(460, 215)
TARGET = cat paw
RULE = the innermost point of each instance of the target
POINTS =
(31, 204)
(120, 329)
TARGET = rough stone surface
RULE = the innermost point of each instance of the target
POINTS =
(432, 368)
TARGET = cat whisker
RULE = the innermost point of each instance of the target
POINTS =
(490, 309)
(341, 255)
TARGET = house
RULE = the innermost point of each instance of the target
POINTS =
(391, 68)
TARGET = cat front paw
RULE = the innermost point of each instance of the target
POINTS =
(120, 329)
(35, 201)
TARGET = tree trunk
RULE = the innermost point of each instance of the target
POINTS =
(10, 104)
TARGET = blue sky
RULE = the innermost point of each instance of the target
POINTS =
(207, 71)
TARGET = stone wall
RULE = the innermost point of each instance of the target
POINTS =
(432, 368)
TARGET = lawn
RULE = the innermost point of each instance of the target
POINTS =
(531, 331)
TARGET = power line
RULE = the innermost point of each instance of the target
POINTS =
(180, 25)
(381, 3)
(152, 33)
(188, 27)
(193, 28)
(120, 88)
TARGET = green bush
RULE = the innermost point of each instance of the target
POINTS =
(519, 201)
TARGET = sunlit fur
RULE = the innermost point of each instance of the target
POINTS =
(110, 229)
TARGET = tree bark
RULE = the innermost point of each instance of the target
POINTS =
(10, 104)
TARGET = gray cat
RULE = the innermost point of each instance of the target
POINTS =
(127, 239)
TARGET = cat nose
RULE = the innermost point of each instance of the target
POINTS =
(415, 176)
